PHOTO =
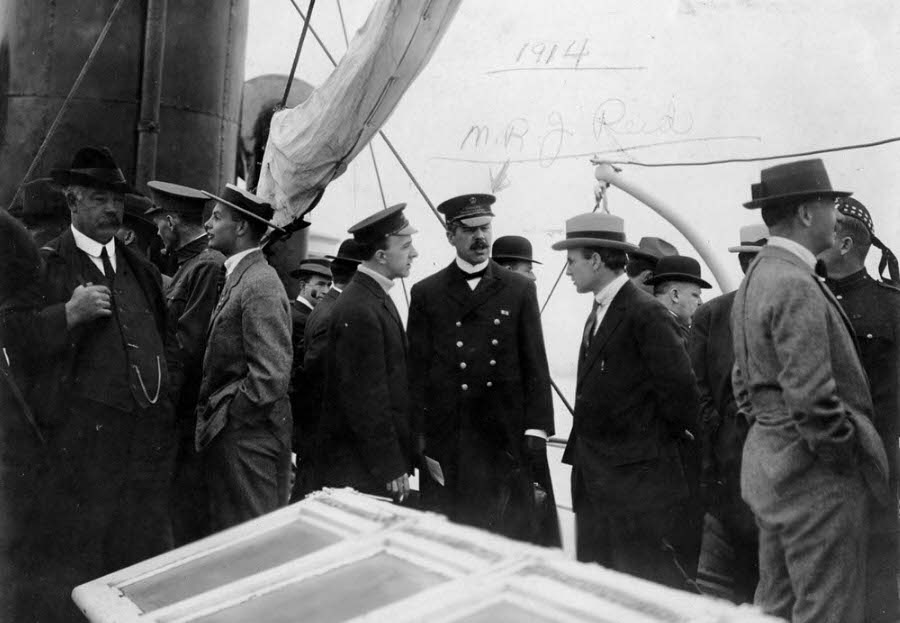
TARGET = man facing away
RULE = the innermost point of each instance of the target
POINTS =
(635, 397)
(514, 253)
(243, 412)
(191, 297)
(812, 459)
(874, 311)
(643, 260)
(729, 560)
(315, 342)
(366, 440)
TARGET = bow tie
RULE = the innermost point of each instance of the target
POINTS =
(471, 276)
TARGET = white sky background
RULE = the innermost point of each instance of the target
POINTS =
(713, 79)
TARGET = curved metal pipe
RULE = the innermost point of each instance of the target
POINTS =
(605, 172)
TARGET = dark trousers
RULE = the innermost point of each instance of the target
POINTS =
(729, 559)
(247, 475)
(882, 567)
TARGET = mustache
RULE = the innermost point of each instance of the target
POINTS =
(478, 245)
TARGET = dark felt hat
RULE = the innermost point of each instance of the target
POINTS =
(652, 249)
(678, 268)
(93, 167)
(515, 248)
(43, 201)
(792, 181)
(595, 229)
(472, 210)
(384, 223)
(753, 238)
(247, 204)
(313, 266)
(348, 253)
(176, 198)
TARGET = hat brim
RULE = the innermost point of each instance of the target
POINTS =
(409, 230)
(65, 177)
(744, 248)
(664, 277)
(643, 255)
(244, 211)
(830, 194)
(473, 221)
(515, 258)
(576, 243)
(297, 272)
(345, 260)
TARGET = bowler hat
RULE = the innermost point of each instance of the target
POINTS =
(792, 181)
(651, 248)
(93, 167)
(515, 248)
(384, 223)
(176, 198)
(313, 266)
(247, 204)
(678, 268)
(348, 253)
(43, 201)
(753, 238)
(595, 229)
(473, 210)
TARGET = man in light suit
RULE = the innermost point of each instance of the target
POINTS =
(635, 404)
(366, 440)
(243, 413)
(812, 460)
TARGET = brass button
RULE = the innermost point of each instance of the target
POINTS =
(464, 387)
(462, 365)
(493, 362)
(496, 321)
(839, 297)
(494, 342)
(459, 344)
(458, 323)
(490, 384)
(869, 336)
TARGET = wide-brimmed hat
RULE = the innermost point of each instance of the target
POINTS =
(472, 210)
(348, 253)
(93, 167)
(792, 181)
(42, 200)
(384, 223)
(176, 198)
(753, 238)
(652, 249)
(247, 204)
(595, 229)
(515, 248)
(678, 268)
(313, 266)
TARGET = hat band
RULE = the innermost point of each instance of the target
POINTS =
(599, 235)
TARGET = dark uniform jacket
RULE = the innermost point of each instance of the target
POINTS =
(635, 395)
(479, 379)
(300, 402)
(365, 431)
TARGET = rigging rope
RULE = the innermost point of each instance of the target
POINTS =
(290, 80)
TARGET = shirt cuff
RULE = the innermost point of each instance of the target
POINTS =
(537, 432)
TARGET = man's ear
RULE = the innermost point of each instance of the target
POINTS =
(804, 213)
(449, 233)
(129, 237)
(846, 245)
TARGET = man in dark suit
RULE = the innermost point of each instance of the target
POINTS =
(874, 311)
(191, 297)
(479, 381)
(813, 463)
(676, 284)
(366, 441)
(315, 341)
(102, 396)
(635, 399)
(514, 253)
(729, 561)
(44, 210)
(243, 412)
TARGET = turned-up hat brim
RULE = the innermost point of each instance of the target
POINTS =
(243, 211)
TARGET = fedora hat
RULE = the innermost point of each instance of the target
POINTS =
(348, 253)
(313, 266)
(93, 167)
(515, 248)
(678, 268)
(42, 200)
(753, 238)
(176, 198)
(792, 180)
(595, 229)
(247, 204)
(652, 249)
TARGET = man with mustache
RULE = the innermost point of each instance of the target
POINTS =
(102, 398)
(480, 382)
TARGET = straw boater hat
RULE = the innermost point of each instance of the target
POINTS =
(93, 167)
(595, 229)
(652, 249)
(792, 181)
(753, 238)
(515, 248)
(176, 198)
(384, 223)
(313, 266)
(678, 268)
(247, 204)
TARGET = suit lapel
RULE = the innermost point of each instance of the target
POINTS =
(231, 282)
(611, 321)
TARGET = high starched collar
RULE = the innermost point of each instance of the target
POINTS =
(468, 268)
(849, 282)
(385, 283)
(92, 247)
(605, 296)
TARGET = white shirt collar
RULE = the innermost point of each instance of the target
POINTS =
(232, 261)
(605, 296)
(94, 248)
(337, 289)
(466, 267)
(794, 247)
(380, 279)
(302, 299)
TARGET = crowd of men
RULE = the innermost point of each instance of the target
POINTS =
(745, 448)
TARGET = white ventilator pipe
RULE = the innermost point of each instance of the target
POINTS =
(605, 172)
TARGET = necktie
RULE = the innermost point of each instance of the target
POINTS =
(589, 325)
(220, 282)
(107, 266)
(478, 275)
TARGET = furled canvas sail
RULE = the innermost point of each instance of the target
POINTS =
(310, 145)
